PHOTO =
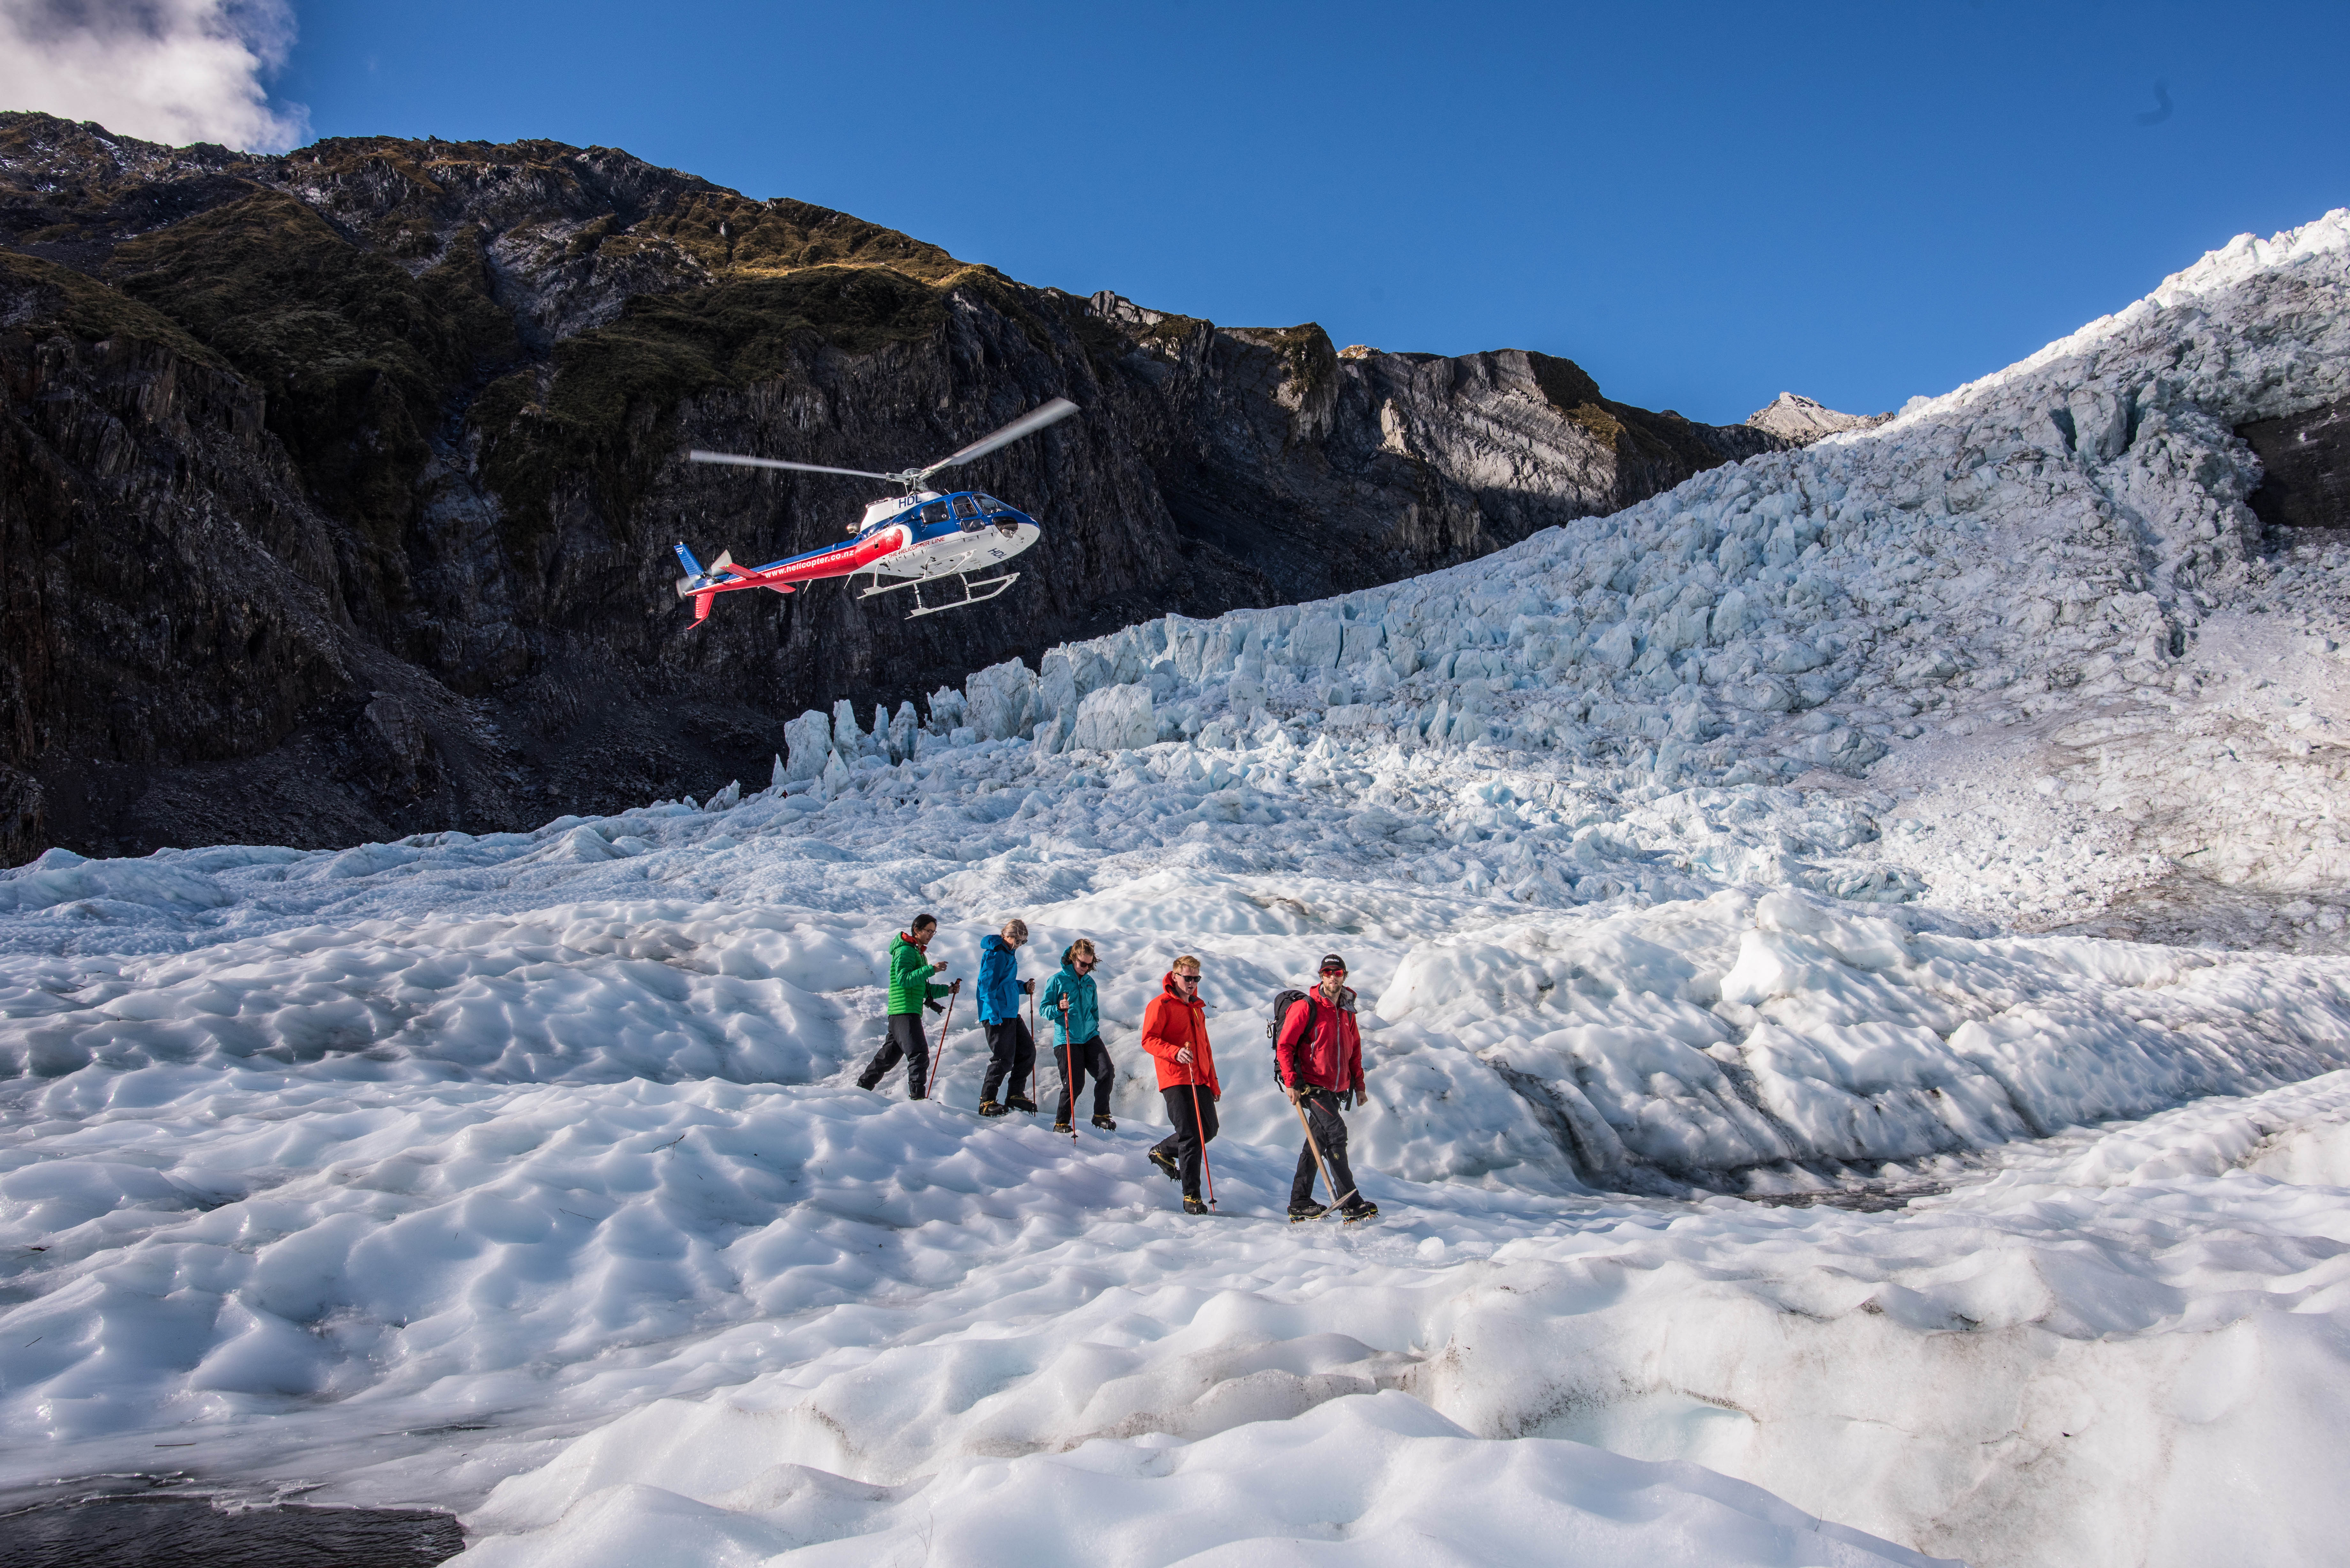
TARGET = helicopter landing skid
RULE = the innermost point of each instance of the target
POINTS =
(971, 594)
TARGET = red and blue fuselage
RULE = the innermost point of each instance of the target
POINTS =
(907, 537)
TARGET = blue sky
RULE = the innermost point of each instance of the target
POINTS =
(1702, 204)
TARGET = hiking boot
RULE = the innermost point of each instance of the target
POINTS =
(1358, 1211)
(1106, 1125)
(1166, 1162)
(869, 1084)
(1193, 1205)
(1301, 1212)
(1022, 1103)
(1064, 1127)
(989, 1108)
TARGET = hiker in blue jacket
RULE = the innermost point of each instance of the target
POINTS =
(1068, 1003)
(1011, 1050)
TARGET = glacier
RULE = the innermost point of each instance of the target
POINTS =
(1858, 1040)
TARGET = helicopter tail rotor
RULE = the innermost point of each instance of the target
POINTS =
(695, 578)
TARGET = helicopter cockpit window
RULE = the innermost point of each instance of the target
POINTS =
(967, 513)
(990, 504)
(934, 514)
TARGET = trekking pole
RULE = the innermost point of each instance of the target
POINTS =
(1315, 1143)
(1200, 1131)
(1068, 1094)
(939, 1063)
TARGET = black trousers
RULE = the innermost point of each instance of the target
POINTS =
(1188, 1138)
(905, 1042)
(1076, 1060)
(1010, 1052)
(1330, 1132)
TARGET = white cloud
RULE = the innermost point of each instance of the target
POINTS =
(165, 70)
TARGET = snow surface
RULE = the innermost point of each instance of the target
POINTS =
(1772, 1122)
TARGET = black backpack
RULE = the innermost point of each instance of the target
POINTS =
(1281, 1006)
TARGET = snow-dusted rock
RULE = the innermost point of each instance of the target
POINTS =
(1800, 418)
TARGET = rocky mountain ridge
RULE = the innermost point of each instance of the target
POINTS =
(335, 488)
(1803, 420)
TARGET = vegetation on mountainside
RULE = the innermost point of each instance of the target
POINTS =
(1567, 386)
(361, 362)
(356, 358)
(1308, 361)
(1636, 435)
(395, 189)
(91, 311)
(731, 234)
(614, 389)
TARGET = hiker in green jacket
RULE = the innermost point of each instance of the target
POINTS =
(910, 989)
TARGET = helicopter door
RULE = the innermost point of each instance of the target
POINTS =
(934, 514)
(966, 513)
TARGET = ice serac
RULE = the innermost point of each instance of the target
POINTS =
(339, 487)
(1803, 420)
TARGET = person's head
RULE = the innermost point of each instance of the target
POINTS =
(1079, 956)
(924, 928)
(1015, 932)
(1333, 972)
(1186, 970)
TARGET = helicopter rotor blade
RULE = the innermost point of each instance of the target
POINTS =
(739, 462)
(1035, 419)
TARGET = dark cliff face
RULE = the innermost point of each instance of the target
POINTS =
(335, 489)
(2305, 463)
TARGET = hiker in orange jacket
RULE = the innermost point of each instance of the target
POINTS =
(1175, 1033)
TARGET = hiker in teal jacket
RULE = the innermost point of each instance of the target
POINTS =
(1069, 1004)
(910, 989)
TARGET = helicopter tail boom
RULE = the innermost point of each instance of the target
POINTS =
(782, 576)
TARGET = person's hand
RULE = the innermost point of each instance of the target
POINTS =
(1065, 1004)
(956, 986)
(1291, 1090)
(1027, 988)
(1183, 1055)
(1362, 1098)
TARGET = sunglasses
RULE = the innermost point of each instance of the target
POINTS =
(1189, 979)
(1083, 963)
(1334, 971)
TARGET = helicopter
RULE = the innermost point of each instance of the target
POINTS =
(917, 537)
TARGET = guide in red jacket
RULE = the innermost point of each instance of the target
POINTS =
(1320, 1052)
(1175, 1033)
